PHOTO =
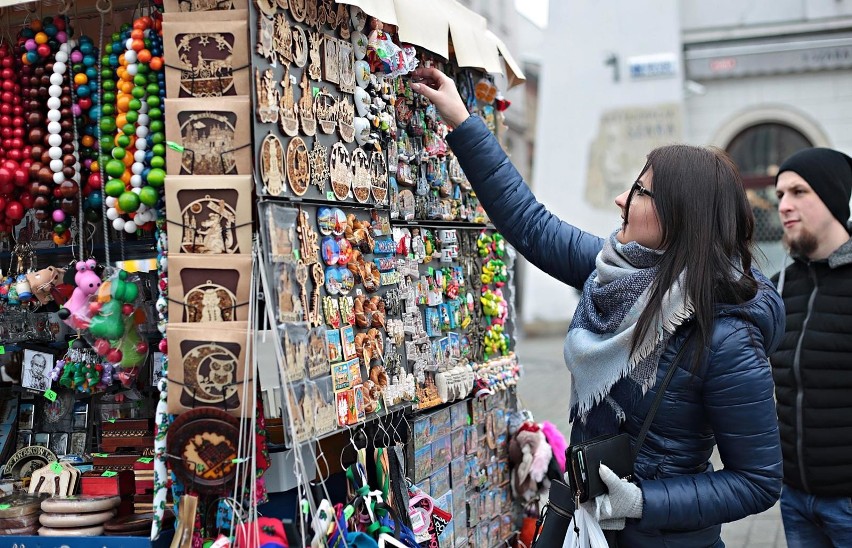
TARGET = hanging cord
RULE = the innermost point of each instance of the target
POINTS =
(81, 234)
(104, 7)
(248, 447)
(299, 466)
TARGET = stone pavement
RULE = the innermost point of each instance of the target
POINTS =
(544, 391)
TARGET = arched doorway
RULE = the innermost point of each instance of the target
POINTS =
(758, 151)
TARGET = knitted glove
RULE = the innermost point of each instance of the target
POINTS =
(624, 499)
(594, 509)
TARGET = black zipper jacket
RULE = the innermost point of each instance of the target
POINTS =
(812, 369)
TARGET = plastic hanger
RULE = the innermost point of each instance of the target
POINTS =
(387, 540)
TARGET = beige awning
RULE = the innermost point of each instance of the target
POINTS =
(514, 74)
(434, 25)
(383, 9)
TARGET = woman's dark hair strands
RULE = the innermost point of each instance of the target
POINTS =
(707, 223)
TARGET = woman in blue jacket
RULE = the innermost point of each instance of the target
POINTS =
(680, 263)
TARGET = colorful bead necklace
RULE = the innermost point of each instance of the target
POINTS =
(136, 170)
(14, 157)
(85, 73)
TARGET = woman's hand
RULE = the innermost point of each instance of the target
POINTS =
(623, 500)
(441, 90)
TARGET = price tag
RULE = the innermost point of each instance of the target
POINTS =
(174, 146)
(2, 349)
(50, 395)
(145, 460)
(5, 506)
(109, 474)
(100, 455)
(329, 195)
(111, 421)
(56, 468)
(296, 254)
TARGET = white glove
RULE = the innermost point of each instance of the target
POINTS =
(594, 509)
(624, 499)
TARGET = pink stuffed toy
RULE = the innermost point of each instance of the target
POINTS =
(557, 442)
(75, 313)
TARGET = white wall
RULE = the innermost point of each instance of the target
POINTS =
(736, 13)
(731, 14)
(576, 87)
(817, 103)
(823, 98)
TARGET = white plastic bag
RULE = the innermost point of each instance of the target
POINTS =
(590, 534)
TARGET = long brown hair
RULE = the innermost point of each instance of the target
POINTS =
(707, 228)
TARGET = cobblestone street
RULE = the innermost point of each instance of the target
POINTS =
(544, 391)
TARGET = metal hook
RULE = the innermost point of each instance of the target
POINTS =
(386, 441)
(343, 449)
(395, 426)
(322, 478)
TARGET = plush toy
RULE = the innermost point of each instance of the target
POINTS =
(557, 443)
(529, 454)
(43, 282)
(75, 313)
(114, 326)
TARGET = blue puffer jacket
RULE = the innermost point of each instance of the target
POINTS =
(728, 401)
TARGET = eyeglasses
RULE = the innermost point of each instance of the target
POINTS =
(637, 188)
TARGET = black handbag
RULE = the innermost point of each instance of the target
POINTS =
(583, 460)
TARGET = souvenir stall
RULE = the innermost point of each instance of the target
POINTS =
(249, 297)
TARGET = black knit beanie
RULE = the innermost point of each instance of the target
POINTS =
(829, 173)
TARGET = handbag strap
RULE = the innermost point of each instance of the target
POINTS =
(649, 418)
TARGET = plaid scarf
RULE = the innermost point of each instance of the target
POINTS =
(606, 378)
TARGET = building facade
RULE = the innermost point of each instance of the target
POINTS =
(759, 79)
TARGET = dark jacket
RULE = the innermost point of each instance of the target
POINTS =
(813, 375)
(728, 401)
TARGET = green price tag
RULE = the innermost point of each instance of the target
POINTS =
(100, 455)
(111, 420)
(2, 349)
(238, 461)
(431, 271)
(296, 254)
(145, 460)
(174, 146)
(329, 195)
(50, 395)
(315, 91)
(109, 474)
(5, 506)
(56, 468)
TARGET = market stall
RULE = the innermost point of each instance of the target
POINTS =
(249, 296)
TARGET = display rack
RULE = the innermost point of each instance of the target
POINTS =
(307, 193)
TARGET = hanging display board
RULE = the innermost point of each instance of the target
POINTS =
(177, 180)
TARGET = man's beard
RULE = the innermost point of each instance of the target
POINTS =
(803, 246)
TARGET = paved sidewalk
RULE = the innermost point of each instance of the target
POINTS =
(544, 391)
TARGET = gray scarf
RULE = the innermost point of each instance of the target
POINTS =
(597, 348)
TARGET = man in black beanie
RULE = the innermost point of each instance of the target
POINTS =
(812, 367)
